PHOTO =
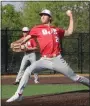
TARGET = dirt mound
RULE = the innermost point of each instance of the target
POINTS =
(78, 98)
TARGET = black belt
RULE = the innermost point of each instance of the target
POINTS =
(27, 52)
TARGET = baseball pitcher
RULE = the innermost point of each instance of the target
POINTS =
(48, 38)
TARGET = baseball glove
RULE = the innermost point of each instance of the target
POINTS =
(16, 47)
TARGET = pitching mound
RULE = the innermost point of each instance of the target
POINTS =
(78, 98)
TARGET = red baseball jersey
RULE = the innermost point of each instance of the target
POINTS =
(48, 38)
(31, 43)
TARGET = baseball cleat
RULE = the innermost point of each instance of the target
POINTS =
(16, 97)
(15, 83)
(36, 82)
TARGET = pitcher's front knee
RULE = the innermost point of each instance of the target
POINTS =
(75, 78)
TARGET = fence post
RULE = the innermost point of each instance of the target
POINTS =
(78, 52)
(61, 44)
(6, 50)
(81, 53)
(89, 40)
(80, 65)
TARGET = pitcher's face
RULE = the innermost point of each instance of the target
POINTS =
(45, 19)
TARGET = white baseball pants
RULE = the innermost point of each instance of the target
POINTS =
(56, 63)
(31, 57)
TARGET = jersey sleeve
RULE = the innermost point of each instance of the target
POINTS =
(31, 43)
(61, 32)
(34, 32)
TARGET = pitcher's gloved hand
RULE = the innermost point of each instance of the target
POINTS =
(16, 47)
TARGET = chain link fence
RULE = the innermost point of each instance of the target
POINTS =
(75, 50)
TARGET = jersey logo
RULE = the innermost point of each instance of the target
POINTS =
(54, 31)
(45, 32)
(57, 39)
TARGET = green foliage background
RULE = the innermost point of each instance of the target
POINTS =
(29, 16)
(80, 12)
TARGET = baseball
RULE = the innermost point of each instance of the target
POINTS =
(68, 12)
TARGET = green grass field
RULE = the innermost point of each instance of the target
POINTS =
(8, 90)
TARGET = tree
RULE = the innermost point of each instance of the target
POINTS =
(10, 18)
(58, 8)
